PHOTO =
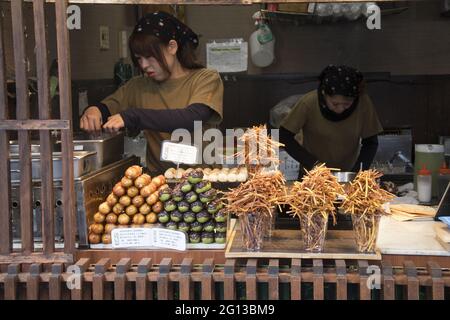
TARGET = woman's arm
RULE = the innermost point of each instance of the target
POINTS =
(296, 150)
(369, 148)
(160, 120)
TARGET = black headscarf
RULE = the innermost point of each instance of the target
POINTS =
(166, 27)
(341, 80)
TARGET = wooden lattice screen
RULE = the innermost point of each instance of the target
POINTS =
(24, 125)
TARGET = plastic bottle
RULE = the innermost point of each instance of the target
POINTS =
(443, 179)
(424, 184)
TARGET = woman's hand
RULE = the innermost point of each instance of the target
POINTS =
(91, 120)
(114, 123)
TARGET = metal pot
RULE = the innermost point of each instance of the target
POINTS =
(344, 177)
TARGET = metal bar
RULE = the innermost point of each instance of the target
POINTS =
(34, 124)
(318, 281)
(229, 285)
(65, 102)
(47, 197)
(143, 287)
(186, 285)
(296, 279)
(250, 282)
(5, 195)
(23, 113)
(207, 279)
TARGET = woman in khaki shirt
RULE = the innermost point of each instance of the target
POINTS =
(172, 92)
(335, 124)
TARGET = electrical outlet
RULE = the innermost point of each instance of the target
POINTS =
(104, 37)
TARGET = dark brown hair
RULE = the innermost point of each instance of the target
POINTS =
(146, 45)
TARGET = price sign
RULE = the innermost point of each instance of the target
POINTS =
(179, 153)
(148, 238)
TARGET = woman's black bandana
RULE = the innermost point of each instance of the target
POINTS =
(166, 27)
(341, 80)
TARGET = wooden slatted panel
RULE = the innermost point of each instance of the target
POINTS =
(11, 281)
(164, 286)
(23, 112)
(78, 279)
(273, 282)
(341, 280)
(388, 287)
(186, 285)
(438, 285)
(65, 102)
(5, 195)
(207, 279)
(250, 279)
(121, 291)
(413, 282)
(33, 281)
(229, 284)
(364, 291)
(54, 283)
(143, 286)
(296, 279)
(99, 280)
(318, 280)
(47, 197)
(34, 124)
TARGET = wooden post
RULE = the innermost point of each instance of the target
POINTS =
(229, 285)
(364, 291)
(273, 282)
(99, 280)
(121, 284)
(186, 285)
(5, 195)
(250, 280)
(33, 281)
(143, 287)
(54, 284)
(163, 283)
(47, 196)
(437, 289)
(413, 282)
(11, 281)
(388, 287)
(207, 279)
(318, 281)
(296, 279)
(23, 113)
(341, 280)
(78, 272)
(65, 102)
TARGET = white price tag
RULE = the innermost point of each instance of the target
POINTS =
(148, 238)
(131, 237)
(179, 153)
